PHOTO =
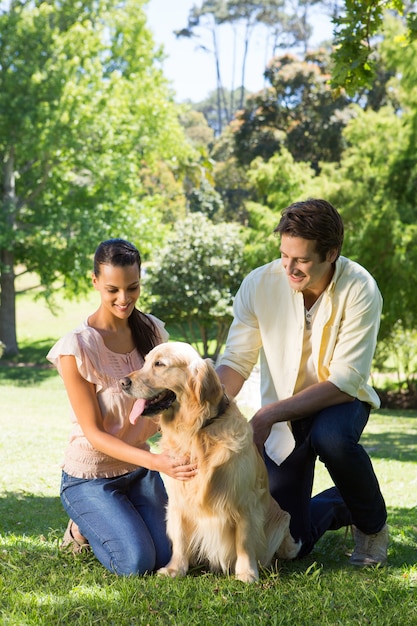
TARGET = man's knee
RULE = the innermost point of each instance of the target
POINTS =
(329, 443)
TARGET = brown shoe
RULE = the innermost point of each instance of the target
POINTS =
(71, 544)
(370, 549)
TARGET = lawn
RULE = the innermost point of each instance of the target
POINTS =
(40, 585)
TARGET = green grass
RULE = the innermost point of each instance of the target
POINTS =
(39, 585)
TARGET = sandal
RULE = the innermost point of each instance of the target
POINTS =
(70, 543)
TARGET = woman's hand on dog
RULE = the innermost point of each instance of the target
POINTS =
(178, 468)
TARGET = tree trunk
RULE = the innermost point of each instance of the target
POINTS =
(221, 102)
(232, 86)
(7, 276)
(8, 305)
(244, 58)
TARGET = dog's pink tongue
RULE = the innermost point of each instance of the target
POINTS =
(137, 410)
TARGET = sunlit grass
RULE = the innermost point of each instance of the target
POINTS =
(42, 586)
(36, 320)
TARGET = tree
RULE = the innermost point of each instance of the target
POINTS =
(374, 186)
(193, 279)
(209, 16)
(280, 18)
(277, 184)
(83, 111)
(218, 119)
(286, 21)
(376, 213)
(231, 182)
(197, 128)
(355, 37)
(297, 111)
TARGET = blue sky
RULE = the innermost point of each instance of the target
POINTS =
(190, 70)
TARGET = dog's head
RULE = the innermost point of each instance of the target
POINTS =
(175, 375)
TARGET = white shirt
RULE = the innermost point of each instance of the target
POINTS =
(269, 322)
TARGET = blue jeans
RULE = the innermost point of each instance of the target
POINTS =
(123, 519)
(332, 435)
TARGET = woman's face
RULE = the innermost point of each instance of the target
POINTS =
(119, 288)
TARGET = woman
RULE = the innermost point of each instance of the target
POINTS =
(111, 487)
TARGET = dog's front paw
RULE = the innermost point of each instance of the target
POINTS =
(247, 577)
(173, 572)
(246, 568)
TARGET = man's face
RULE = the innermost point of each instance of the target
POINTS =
(305, 270)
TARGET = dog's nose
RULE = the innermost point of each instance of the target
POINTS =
(125, 383)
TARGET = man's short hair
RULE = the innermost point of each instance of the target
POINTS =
(316, 220)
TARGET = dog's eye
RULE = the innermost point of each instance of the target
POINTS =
(159, 364)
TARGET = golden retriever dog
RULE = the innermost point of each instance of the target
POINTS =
(225, 515)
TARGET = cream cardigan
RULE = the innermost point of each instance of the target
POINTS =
(269, 322)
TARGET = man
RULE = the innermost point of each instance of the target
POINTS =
(313, 317)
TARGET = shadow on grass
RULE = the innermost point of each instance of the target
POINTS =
(28, 514)
(395, 445)
(29, 366)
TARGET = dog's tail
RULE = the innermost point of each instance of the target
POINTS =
(289, 548)
(280, 542)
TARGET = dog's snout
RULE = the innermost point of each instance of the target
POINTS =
(126, 383)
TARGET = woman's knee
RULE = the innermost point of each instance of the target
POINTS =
(124, 556)
(132, 563)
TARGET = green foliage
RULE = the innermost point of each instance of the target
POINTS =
(193, 279)
(356, 31)
(375, 188)
(281, 180)
(205, 199)
(374, 234)
(84, 110)
(297, 111)
(196, 127)
(398, 354)
(412, 25)
(232, 184)
(276, 184)
(219, 114)
(94, 107)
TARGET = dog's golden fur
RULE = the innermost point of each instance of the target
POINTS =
(225, 515)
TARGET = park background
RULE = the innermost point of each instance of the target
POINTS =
(96, 143)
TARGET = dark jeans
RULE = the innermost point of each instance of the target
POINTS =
(123, 519)
(332, 435)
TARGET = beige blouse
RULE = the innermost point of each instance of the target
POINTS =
(104, 368)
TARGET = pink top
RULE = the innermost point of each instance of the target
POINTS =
(104, 368)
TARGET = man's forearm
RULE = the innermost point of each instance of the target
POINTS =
(302, 404)
(232, 380)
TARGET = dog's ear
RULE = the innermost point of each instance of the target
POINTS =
(207, 386)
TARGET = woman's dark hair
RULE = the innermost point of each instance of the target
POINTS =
(119, 253)
(316, 220)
